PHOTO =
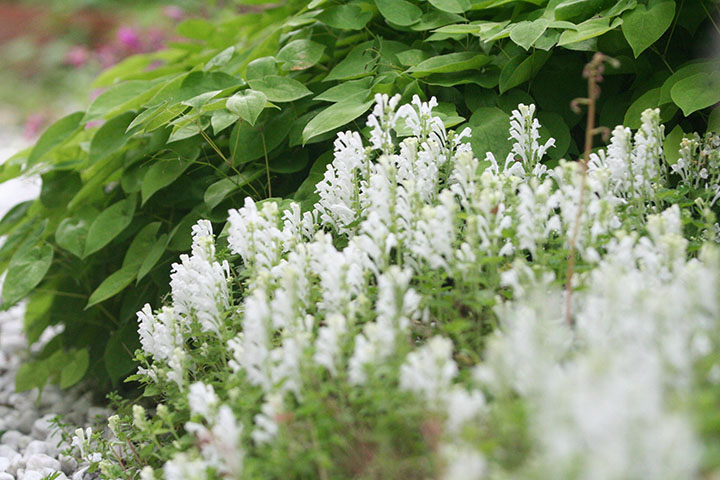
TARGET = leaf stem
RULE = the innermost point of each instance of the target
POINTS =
(267, 164)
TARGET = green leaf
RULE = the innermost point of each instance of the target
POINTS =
(300, 55)
(217, 192)
(292, 163)
(261, 67)
(696, 92)
(112, 285)
(220, 59)
(72, 231)
(280, 89)
(37, 316)
(360, 62)
(345, 17)
(120, 350)
(348, 89)
(521, 68)
(526, 33)
(75, 368)
(452, 62)
(589, 29)
(490, 132)
(643, 26)
(55, 135)
(109, 224)
(685, 72)
(399, 12)
(248, 143)
(196, 29)
(27, 268)
(247, 104)
(334, 116)
(452, 6)
(222, 119)
(31, 375)
(116, 96)
(580, 9)
(110, 137)
(153, 256)
(58, 187)
(647, 100)
(161, 174)
(671, 145)
(141, 244)
(553, 125)
(714, 121)
(13, 216)
(306, 194)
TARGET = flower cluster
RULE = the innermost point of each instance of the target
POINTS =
(385, 290)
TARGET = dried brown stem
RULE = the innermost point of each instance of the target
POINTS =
(593, 72)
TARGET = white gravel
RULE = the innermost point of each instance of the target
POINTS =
(30, 447)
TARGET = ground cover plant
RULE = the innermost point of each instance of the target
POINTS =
(250, 104)
(351, 340)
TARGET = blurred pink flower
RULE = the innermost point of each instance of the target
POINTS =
(129, 38)
(106, 55)
(174, 12)
(155, 39)
(34, 124)
(77, 56)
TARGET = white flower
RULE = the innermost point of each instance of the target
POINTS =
(462, 462)
(339, 190)
(382, 122)
(182, 467)
(159, 336)
(328, 346)
(429, 370)
(266, 426)
(525, 131)
(199, 283)
(202, 400)
(254, 234)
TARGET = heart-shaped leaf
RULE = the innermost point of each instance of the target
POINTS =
(644, 25)
(696, 92)
(248, 104)
(526, 33)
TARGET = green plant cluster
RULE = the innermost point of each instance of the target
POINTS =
(250, 104)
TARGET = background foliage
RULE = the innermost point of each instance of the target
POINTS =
(249, 105)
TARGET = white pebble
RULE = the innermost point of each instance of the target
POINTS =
(10, 438)
(6, 476)
(42, 426)
(4, 464)
(26, 420)
(7, 452)
(24, 441)
(31, 475)
(80, 473)
(67, 463)
(40, 461)
(16, 463)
